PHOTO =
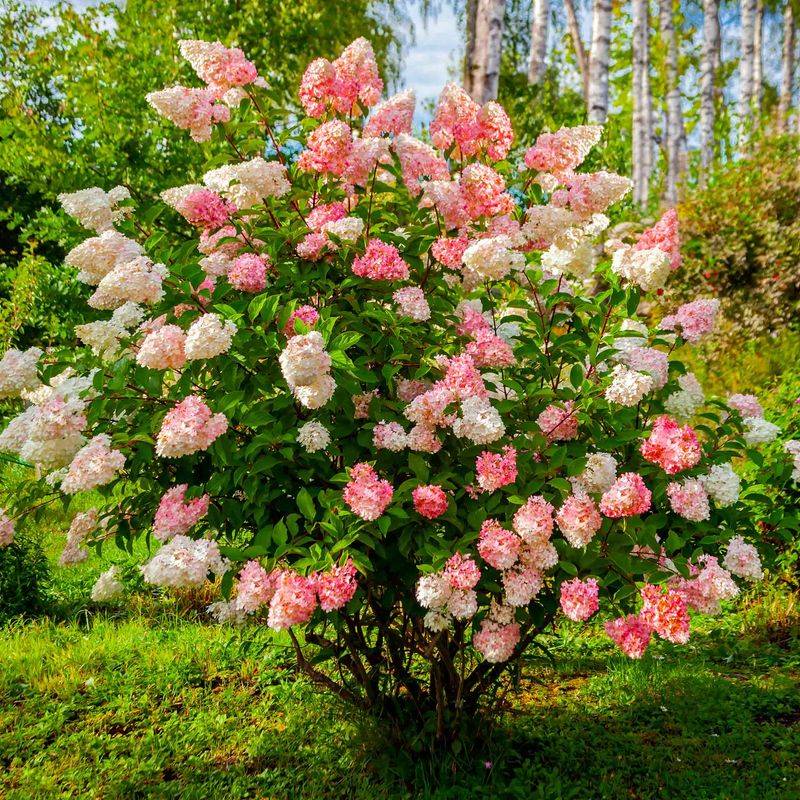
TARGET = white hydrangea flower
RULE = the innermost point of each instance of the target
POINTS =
(628, 386)
(313, 436)
(208, 336)
(107, 586)
(722, 484)
(648, 269)
(759, 431)
(480, 422)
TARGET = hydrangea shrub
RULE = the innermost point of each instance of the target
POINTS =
(390, 394)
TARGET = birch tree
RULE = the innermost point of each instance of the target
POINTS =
(640, 133)
(484, 67)
(787, 67)
(758, 55)
(578, 46)
(540, 22)
(709, 61)
(746, 65)
(673, 129)
(469, 45)
(598, 61)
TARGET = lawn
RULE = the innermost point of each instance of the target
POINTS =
(145, 700)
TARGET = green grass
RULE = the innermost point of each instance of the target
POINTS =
(149, 701)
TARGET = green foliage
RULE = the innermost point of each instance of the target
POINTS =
(741, 236)
(24, 579)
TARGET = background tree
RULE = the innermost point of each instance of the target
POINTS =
(540, 25)
(487, 49)
(599, 61)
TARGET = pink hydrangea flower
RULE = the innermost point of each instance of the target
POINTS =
(627, 497)
(205, 209)
(189, 427)
(220, 67)
(352, 79)
(666, 613)
(579, 599)
(495, 641)
(450, 250)
(381, 262)
(593, 192)
(631, 634)
(256, 587)
(294, 601)
(336, 587)
(163, 349)
(95, 464)
(747, 405)
(561, 152)
(393, 116)
(430, 501)
(709, 585)
(328, 149)
(663, 236)
(389, 436)
(366, 494)
(521, 585)
(413, 303)
(689, 499)
(306, 314)
(418, 162)
(673, 447)
(483, 191)
(496, 469)
(6, 529)
(498, 547)
(176, 515)
(742, 559)
(459, 121)
(462, 572)
(248, 273)
(559, 423)
(578, 519)
(489, 350)
(534, 520)
(694, 320)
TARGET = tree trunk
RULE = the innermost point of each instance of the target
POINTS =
(787, 68)
(578, 46)
(469, 48)
(758, 55)
(709, 61)
(540, 19)
(485, 67)
(598, 61)
(641, 124)
(674, 125)
(746, 66)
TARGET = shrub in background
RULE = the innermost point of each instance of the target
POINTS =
(742, 239)
(393, 405)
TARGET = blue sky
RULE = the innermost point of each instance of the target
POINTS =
(433, 58)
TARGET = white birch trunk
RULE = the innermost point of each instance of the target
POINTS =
(673, 129)
(469, 47)
(598, 61)
(787, 68)
(758, 55)
(578, 47)
(540, 23)
(709, 61)
(746, 59)
(489, 18)
(641, 126)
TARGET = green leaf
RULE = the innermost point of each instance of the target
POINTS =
(306, 504)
